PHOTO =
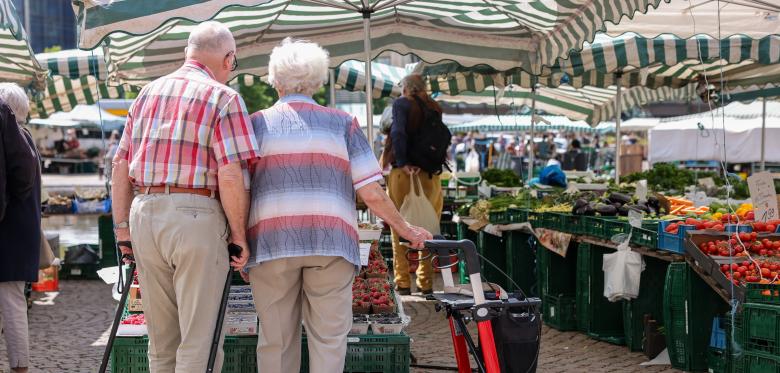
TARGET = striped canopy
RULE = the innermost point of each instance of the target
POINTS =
(752, 93)
(515, 123)
(146, 38)
(17, 61)
(63, 94)
(351, 76)
(589, 104)
(74, 63)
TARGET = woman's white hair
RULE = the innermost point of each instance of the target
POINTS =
(298, 66)
(14, 96)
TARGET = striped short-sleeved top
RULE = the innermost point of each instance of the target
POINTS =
(312, 160)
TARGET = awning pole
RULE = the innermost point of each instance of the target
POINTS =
(763, 132)
(531, 154)
(368, 79)
(332, 87)
(618, 110)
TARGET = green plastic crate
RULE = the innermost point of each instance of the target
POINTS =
(493, 249)
(596, 315)
(594, 226)
(647, 236)
(762, 293)
(107, 241)
(648, 302)
(129, 355)
(761, 325)
(559, 311)
(717, 361)
(520, 259)
(572, 223)
(615, 226)
(464, 233)
(556, 274)
(754, 362)
(517, 215)
(371, 353)
(689, 306)
(498, 217)
(550, 220)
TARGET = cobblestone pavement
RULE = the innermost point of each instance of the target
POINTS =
(68, 332)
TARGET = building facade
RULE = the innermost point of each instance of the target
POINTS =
(48, 23)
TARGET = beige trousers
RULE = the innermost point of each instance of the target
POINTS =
(317, 289)
(180, 247)
(13, 311)
(397, 189)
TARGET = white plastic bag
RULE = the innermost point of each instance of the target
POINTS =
(472, 161)
(622, 271)
(417, 210)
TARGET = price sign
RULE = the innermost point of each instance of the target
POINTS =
(763, 196)
(365, 250)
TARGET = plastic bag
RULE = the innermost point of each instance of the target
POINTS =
(472, 161)
(622, 271)
(417, 210)
(553, 176)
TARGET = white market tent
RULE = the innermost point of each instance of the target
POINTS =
(83, 116)
(701, 138)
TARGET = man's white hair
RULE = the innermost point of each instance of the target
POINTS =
(16, 99)
(298, 66)
(211, 37)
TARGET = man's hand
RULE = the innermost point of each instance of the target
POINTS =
(244, 276)
(416, 236)
(238, 262)
(411, 170)
(123, 234)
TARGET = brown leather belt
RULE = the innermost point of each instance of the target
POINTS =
(177, 190)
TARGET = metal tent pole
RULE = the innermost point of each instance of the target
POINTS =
(332, 87)
(618, 110)
(368, 80)
(763, 132)
(531, 154)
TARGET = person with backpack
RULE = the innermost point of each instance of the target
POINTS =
(417, 147)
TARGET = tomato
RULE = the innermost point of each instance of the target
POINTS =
(733, 242)
(737, 275)
(753, 235)
(770, 253)
(672, 227)
(744, 237)
(691, 221)
(762, 252)
(750, 215)
(739, 249)
(718, 227)
(771, 228)
(773, 267)
(742, 269)
(724, 267)
(773, 275)
(759, 226)
(765, 272)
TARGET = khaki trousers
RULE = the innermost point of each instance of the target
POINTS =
(397, 189)
(317, 289)
(13, 311)
(180, 247)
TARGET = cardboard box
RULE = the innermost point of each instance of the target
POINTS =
(240, 323)
(134, 303)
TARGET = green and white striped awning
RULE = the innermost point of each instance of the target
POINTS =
(74, 63)
(17, 61)
(518, 123)
(145, 38)
(351, 76)
(63, 94)
(589, 104)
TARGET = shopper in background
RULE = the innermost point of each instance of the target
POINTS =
(303, 222)
(408, 117)
(182, 148)
(20, 221)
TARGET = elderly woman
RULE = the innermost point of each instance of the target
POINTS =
(20, 221)
(302, 219)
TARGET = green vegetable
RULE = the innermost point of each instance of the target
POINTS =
(501, 178)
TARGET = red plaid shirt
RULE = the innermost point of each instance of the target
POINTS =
(183, 127)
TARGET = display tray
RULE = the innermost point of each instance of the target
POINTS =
(711, 265)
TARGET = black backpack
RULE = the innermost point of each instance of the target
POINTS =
(427, 147)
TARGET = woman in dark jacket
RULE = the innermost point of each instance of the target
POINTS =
(20, 221)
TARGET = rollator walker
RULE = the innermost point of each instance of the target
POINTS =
(509, 325)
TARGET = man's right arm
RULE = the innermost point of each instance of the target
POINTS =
(121, 198)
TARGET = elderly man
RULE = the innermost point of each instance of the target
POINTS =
(20, 222)
(303, 224)
(181, 150)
